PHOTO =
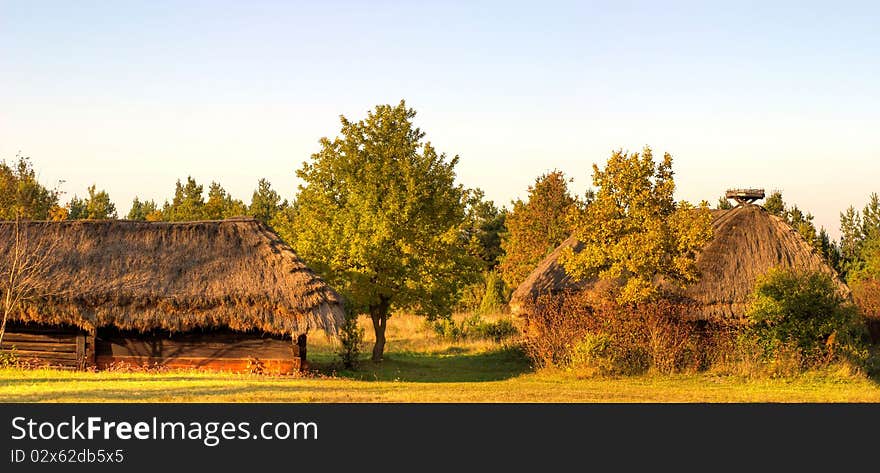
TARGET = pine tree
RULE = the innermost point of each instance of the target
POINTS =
(140, 211)
(723, 204)
(871, 217)
(220, 204)
(187, 204)
(265, 202)
(775, 205)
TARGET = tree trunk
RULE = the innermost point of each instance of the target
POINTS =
(379, 315)
(6, 305)
(3, 327)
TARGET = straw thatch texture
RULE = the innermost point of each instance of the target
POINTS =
(748, 241)
(549, 277)
(174, 276)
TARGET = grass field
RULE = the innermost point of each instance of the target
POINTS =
(422, 367)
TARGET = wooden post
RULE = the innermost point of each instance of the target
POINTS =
(90, 350)
(81, 350)
(301, 345)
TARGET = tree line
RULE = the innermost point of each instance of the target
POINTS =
(23, 196)
(380, 216)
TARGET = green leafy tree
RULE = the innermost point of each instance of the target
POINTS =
(30, 246)
(634, 231)
(537, 226)
(221, 204)
(378, 215)
(283, 224)
(265, 203)
(22, 195)
(187, 204)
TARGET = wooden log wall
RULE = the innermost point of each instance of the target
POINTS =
(72, 348)
(50, 345)
(208, 350)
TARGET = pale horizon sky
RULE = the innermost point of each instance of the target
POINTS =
(135, 95)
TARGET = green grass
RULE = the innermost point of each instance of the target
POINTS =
(420, 367)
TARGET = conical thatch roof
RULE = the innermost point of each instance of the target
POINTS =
(233, 273)
(748, 241)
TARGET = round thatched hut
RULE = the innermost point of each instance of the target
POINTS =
(748, 241)
(211, 294)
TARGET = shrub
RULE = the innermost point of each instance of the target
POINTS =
(803, 311)
(446, 328)
(9, 358)
(351, 340)
(866, 293)
(497, 331)
(577, 331)
(553, 326)
(473, 327)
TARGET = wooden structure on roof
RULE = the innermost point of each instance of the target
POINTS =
(744, 196)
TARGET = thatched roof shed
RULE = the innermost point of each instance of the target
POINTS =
(235, 274)
(549, 277)
(748, 241)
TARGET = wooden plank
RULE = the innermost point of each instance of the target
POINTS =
(35, 346)
(196, 336)
(205, 343)
(22, 354)
(38, 337)
(199, 352)
(44, 329)
(204, 349)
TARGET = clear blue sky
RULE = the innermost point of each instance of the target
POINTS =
(133, 95)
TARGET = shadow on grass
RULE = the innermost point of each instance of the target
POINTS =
(449, 366)
(288, 392)
(105, 379)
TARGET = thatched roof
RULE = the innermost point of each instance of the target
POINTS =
(549, 277)
(748, 241)
(233, 273)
